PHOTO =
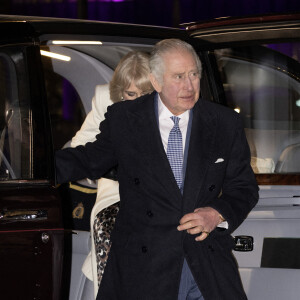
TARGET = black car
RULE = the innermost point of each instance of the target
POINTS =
(49, 69)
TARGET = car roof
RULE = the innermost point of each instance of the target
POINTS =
(237, 29)
(38, 26)
(213, 33)
(250, 20)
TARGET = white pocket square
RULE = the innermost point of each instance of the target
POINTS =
(219, 160)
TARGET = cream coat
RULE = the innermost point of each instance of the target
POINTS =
(108, 190)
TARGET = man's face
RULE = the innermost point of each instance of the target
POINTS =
(181, 82)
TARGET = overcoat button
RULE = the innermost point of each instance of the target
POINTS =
(136, 181)
(149, 213)
(212, 187)
(210, 247)
(144, 249)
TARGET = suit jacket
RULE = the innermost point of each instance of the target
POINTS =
(147, 252)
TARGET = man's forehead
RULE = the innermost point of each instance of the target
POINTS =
(179, 59)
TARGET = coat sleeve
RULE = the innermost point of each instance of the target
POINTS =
(89, 161)
(239, 191)
(90, 126)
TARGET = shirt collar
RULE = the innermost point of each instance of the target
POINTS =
(165, 114)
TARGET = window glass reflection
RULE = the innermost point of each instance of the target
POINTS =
(15, 126)
(263, 85)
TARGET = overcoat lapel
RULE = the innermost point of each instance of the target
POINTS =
(144, 126)
(199, 155)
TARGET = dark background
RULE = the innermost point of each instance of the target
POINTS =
(151, 12)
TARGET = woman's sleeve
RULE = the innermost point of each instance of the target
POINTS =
(90, 126)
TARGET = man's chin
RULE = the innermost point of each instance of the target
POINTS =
(188, 104)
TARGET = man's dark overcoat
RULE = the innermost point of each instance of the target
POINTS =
(147, 251)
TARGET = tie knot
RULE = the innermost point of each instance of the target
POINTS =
(175, 120)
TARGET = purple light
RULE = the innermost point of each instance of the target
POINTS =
(111, 0)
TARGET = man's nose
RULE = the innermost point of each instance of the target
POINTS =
(188, 83)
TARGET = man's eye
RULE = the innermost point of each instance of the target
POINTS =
(194, 75)
(178, 76)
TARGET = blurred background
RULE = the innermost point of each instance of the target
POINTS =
(150, 12)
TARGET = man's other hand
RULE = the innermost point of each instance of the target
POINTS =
(202, 220)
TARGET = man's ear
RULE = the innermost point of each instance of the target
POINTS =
(157, 86)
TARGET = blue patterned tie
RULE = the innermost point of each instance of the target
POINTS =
(175, 151)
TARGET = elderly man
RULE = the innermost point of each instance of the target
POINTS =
(184, 171)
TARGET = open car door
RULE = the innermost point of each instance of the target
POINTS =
(31, 232)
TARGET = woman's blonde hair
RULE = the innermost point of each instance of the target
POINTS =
(133, 67)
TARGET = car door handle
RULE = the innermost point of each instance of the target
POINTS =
(243, 243)
(23, 215)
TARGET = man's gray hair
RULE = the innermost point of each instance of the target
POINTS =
(166, 46)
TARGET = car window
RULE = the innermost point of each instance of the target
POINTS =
(262, 83)
(15, 122)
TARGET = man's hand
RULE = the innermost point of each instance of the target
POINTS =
(202, 220)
